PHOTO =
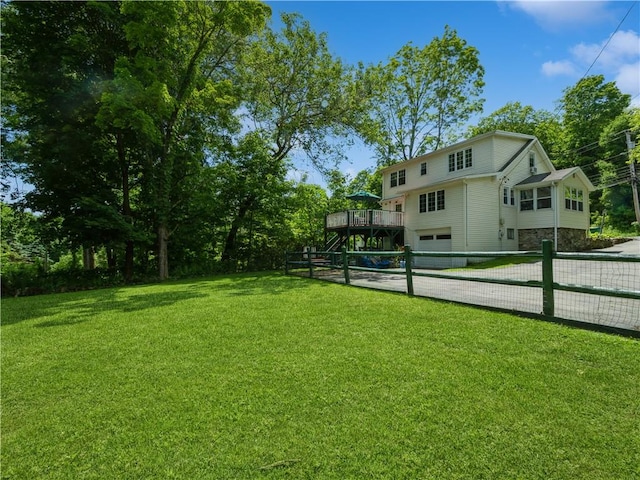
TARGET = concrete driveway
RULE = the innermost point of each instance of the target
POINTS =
(609, 311)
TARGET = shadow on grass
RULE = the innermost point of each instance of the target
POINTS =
(77, 307)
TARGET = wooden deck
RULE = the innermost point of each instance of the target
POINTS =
(364, 218)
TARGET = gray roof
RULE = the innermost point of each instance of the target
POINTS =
(515, 155)
(556, 176)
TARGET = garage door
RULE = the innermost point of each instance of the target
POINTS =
(435, 241)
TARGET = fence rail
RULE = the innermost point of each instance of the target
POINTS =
(570, 287)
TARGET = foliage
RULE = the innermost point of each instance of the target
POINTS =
(266, 376)
(420, 99)
(515, 117)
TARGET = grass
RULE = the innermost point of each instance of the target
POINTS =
(267, 376)
(499, 262)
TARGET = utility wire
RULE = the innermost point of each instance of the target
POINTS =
(609, 40)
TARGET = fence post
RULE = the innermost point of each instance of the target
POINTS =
(286, 262)
(345, 265)
(407, 267)
(548, 304)
(310, 263)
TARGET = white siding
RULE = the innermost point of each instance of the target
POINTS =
(452, 217)
(572, 218)
(482, 215)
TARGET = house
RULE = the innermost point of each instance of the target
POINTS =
(494, 192)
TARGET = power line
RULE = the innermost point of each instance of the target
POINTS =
(608, 41)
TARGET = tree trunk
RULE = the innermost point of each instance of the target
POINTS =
(111, 258)
(126, 207)
(88, 258)
(230, 241)
(163, 252)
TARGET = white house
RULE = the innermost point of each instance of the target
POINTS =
(494, 192)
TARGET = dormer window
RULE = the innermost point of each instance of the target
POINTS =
(460, 160)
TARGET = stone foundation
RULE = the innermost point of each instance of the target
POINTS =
(569, 239)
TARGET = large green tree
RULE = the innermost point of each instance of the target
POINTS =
(421, 97)
(515, 117)
(588, 108)
(298, 101)
(171, 90)
(57, 56)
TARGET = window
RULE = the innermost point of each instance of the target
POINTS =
(532, 159)
(423, 168)
(508, 196)
(543, 195)
(573, 199)
(460, 160)
(468, 159)
(398, 178)
(526, 200)
(402, 175)
(398, 207)
(440, 200)
(426, 237)
(432, 201)
(511, 234)
(443, 236)
(539, 197)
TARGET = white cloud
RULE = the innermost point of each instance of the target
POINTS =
(623, 47)
(628, 78)
(619, 59)
(564, 67)
(553, 14)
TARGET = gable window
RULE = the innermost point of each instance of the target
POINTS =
(539, 198)
(460, 160)
(402, 175)
(423, 168)
(573, 199)
(532, 159)
(508, 196)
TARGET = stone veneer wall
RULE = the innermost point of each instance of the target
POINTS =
(569, 239)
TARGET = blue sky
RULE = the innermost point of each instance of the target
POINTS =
(531, 50)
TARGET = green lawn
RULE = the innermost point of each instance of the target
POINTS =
(267, 376)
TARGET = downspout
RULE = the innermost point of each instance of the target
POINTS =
(500, 220)
(466, 215)
(554, 197)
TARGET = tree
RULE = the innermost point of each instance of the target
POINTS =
(421, 97)
(58, 54)
(515, 117)
(175, 78)
(615, 169)
(298, 98)
(588, 107)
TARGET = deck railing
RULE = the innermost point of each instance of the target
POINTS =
(365, 218)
